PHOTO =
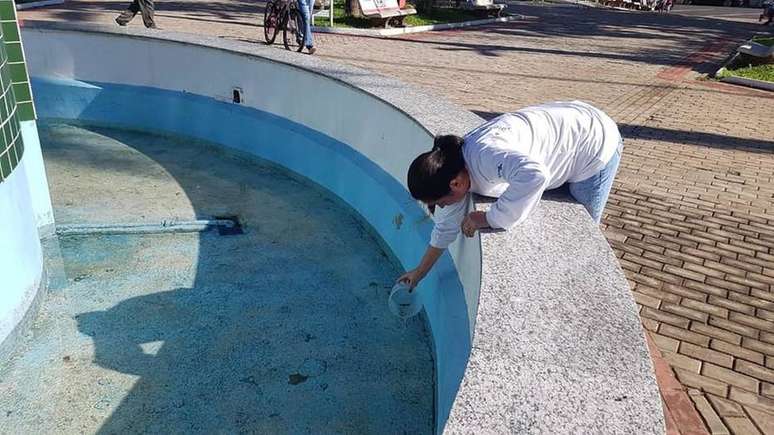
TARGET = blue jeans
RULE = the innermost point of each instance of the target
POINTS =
(304, 6)
(593, 192)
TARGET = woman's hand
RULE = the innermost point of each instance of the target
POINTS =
(473, 222)
(412, 277)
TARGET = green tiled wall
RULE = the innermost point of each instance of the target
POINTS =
(15, 96)
(11, 145)
(13, 46)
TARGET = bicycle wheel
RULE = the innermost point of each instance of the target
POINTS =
(270, 22)
(293, 32)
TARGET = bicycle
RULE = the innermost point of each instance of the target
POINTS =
(284, 15)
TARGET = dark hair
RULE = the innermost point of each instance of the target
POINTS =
(430, 173)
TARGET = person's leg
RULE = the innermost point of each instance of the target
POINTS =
(308, 39)
(147, 13)
(128, 14)
(593, 192)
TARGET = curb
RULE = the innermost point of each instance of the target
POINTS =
(751, 83)
(579, 3)
(680, 413)
(590, 4)
(38, 4)
(415, 29)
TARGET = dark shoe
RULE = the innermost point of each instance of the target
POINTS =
(120, 23)
(312, 50)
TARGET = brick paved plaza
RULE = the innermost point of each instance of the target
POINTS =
(692, 210)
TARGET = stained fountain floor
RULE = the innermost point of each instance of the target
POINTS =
(282, 329)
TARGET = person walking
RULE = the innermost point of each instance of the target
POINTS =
(768, 12)
(515, 158)
(143, 6)
(306, 16)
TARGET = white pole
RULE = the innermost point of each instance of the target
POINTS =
(331, 12)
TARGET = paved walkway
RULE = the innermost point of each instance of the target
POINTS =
(692, 209)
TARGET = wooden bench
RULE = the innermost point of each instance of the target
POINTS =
(385, 13)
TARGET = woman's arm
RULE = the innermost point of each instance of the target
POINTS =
(445, 231)
(526, 179)
(413, 277)
(526, 182)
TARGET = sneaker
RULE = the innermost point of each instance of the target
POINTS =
(120, 23)
(312, 50)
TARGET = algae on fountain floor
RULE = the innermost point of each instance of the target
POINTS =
(282, 329)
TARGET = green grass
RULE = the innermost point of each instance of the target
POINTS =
(439, 16)
(769, 41)
(751, 68)
(757, 72)
(436, 16)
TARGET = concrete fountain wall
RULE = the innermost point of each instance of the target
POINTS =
(25, 208)
(556, 342)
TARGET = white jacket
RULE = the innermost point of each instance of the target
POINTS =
(517, 156)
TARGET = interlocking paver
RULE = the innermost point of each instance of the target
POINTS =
(754, 322)
(728, 285)
(751, 399)
(737, 351)
(691, 215)
(753, 300)
(704, 383)
(682, 361)
(742, 425)
(684, 334)
(762, 420)
(715, 332)
(714, 423)
(664, 343)
(703, 354)
(646, 300)
(769, 296)
(758, 346)
(710, 290)
(724, 407)
(656, 293)
(684, 311)
(730, 377)
(651, 325)
(729, 325)
(754, 370)
(731, 305)
(766, 315)
(667, 319)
